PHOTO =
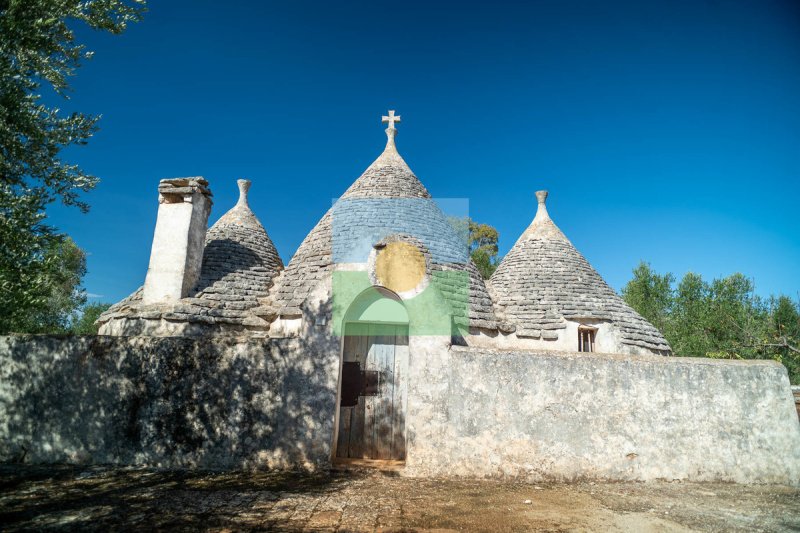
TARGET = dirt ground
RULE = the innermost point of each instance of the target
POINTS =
(102, 499)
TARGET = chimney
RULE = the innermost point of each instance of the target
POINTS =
(177, 254)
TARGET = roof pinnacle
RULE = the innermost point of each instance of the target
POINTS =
(542, 226)
(541, 211)
(244, 186)
(391, 131)
(240, 214)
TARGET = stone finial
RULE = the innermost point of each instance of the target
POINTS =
(244, 186)
(542, 226)
(391, 131)
(240, 214)
(541, 211)
(389, 157)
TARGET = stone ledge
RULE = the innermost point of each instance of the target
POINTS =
(617, 357)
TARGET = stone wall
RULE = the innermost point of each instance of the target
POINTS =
(471, 412)
(569, 416)
(165, 401)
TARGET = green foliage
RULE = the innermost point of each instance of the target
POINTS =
(38, 47)
(721, 319)
(41, 297)
(785, 316)
(481, 240)
(650, 294)
(482, 243)
(485, 263)
(784, 335)
(84, 325)
(38, 52)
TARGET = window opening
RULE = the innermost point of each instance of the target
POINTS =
(586, 338)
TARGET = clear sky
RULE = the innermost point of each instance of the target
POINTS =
(665, 131)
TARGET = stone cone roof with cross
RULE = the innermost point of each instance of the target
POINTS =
(239, 265)
(544, 281)
(386, 195)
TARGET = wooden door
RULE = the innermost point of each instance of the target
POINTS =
(372, 426)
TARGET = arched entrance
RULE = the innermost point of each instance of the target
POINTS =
(373, 378)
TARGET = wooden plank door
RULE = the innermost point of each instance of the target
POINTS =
(375, 427)
(378, 416)
(351, 418)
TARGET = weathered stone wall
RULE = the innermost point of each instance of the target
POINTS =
(166, 401)
(471, 412)
(574, 415)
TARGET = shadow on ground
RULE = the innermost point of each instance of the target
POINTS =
(99, 498)
(66, 498)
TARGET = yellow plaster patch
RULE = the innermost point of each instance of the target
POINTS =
(400, 266)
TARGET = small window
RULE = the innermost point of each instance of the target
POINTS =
(586, 335)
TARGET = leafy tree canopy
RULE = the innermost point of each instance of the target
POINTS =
(38, 52)
(84, 325)
(481, 240)
(37, 46)
(650, 294)
(51, 288)
(483, 249)
(721, 319)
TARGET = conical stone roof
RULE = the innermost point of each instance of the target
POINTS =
(382, 185)
(240, 263)
(544, 281)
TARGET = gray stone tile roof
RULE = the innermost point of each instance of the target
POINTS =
(544, 280)
(387, 197)
(239, 265)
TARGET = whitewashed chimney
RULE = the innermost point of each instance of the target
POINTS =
(177, 253)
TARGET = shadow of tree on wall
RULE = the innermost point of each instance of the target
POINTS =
(172, 402)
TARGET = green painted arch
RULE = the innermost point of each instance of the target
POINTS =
(377, 305)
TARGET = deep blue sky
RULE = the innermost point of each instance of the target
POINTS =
(664, 131)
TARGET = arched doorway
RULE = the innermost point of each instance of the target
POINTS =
(373, 378)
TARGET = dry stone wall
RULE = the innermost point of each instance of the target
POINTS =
(165, 401)
(217, 403)
(567, 416)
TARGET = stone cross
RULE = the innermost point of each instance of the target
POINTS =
(391, 119)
